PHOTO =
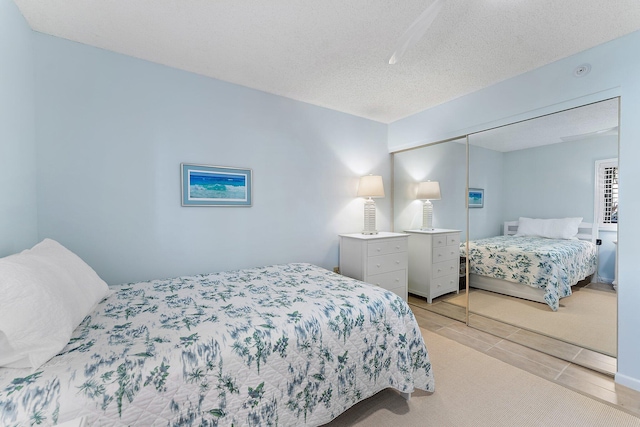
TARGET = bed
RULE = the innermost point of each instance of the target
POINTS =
(281, 345)
(536, 268)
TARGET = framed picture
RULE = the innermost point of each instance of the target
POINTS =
(204, 185)
(476, 198)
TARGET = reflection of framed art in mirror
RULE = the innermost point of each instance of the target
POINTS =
(476, 198)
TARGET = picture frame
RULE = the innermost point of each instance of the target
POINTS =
(205, 185)
(476, 198)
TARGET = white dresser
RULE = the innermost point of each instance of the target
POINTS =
(434, 262)
(379, 259)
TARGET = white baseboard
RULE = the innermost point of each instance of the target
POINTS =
(627, 381)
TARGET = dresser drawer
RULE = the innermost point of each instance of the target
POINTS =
(388, 246)
(439, 240)
(453, 239)
(386, 263)
(446, 253)
(440, 269)
(390, 281)
(445, 284)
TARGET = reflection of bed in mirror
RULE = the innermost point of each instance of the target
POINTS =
(534, 268)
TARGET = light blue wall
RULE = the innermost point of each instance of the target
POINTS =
(445, 163)
(486, 172)
(615, 71)
(18, 223)
(112, 131)
(556, 181)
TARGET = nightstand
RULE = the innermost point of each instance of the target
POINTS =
(380, 259)
(434, 262)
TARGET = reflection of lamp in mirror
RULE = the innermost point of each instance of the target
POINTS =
(370, 186)
(427, 191)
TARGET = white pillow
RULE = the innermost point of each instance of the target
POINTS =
(46, 292)
(562, 228)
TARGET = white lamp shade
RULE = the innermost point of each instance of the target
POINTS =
(371, 186)
(428, 190)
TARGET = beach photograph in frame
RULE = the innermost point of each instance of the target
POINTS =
(476, 198)
(204, 185)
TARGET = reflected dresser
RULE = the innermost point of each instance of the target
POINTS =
(434, 262)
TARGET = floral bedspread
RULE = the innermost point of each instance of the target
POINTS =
(281, 345)
(550, 264)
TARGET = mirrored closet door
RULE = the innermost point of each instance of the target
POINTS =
(430, 204)
(561, 166)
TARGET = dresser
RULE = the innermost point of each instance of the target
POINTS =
(380, 259)
(434, 262)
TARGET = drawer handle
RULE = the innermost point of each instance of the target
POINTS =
(378, 249)
(378, 265)
(397, 280)
(397, 262)
(377, 284)
(397, 247)
(439, 255)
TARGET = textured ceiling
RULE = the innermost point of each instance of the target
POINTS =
(334, 53)
(581, 123)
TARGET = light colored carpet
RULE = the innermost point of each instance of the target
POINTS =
(474, 389)
(587, 318)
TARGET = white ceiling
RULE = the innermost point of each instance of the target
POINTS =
(334, 53)
(581, 123)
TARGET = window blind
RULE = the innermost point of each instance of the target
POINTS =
(610, 193)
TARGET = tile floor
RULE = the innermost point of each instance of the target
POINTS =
(578, 378)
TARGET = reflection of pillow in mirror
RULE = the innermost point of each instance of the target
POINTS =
(530, 227)
(562, 228)
(46, 292)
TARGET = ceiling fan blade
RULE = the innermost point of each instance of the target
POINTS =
(416, 30)
(602, 132)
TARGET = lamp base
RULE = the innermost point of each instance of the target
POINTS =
(427, 216)
(369, 217)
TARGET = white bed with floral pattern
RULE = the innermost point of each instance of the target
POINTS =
(282, 345)
(537, 268)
